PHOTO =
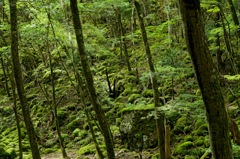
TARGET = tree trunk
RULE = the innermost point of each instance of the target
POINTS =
(54, 102)
(234, 16)
(89, 80)
(17, 118)
(19, 81)
(159, 115)
(5, 77)
(168, 146)
(123, 45)
(207, 79)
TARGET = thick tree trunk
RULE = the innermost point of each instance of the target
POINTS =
(89, 80)
(207, 79)
(19, 81)
(159, 115)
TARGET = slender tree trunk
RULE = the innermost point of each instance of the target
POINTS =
(19, 81)
(207, 77)
(17, 119)
(89, 80)
(5, 77)
(123, 45)
(168, 150)
(159, 115)
(54, 101)
(234, 16)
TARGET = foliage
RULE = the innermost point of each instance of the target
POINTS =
(46, 29)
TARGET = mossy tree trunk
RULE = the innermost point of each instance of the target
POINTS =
(105, 130)
(207, 77)
(19, 81)
(159, 115)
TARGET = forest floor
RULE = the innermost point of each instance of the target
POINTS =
(58, 155)
(73, 155)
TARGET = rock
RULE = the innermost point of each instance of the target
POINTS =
(138, 129)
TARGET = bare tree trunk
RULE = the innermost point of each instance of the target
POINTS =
(168, 150)
(207, 77)
(123, 45)
(17, 119)
(159, 115)
(234, 16)
(5, 77)
(89, 80)
(19, 81)
(54, 102)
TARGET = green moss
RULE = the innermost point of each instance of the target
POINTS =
(118, 121)
(182, 148)
(133, 97)
(198, 123)
(202, 130)
(206, 141)
(88, 149)
(181, 123)
(131, 107)
(230, 98)
(187, 129)
(189, 157)
(74, 124)
(7, 131)
(76, 132)
(147, 93)
(188, 138)
(199, 141)
(48, 150)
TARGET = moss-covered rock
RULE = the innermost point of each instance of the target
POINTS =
(199, 141)
(88, 149)
(198, 123)
(188, 138)
(138, 128)
(202, 130)
(182, 124)
(183, 148)
(147, 93)
(133, 97)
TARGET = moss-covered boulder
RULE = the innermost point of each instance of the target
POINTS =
(183, 148)
(138, 127)
(183, 125)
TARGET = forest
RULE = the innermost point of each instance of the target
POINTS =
(119, 79)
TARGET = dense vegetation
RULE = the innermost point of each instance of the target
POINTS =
(105, 77)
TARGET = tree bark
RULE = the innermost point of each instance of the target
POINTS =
(207, 77)
(17, 118)
(19, 81)
(123, 44)
(159, 115)
(234, 16)
(89, 80)
(54, 101)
